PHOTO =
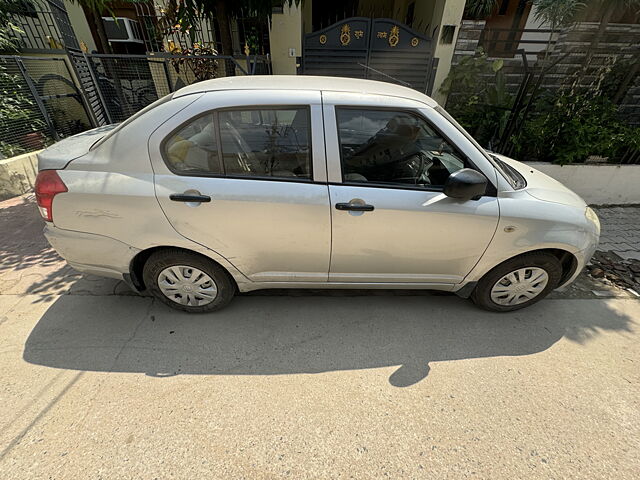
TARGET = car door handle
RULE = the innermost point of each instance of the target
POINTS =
(189, 197)
(354, 207)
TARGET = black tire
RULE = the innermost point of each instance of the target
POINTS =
(481, 296)
(162, 259)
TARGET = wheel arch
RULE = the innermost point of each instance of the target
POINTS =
(136, 266)
(567, 260)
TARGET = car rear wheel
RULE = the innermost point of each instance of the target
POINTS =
(187, 281)
(518, 282)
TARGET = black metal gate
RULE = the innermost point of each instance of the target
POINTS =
(377, 49)
(88, 82)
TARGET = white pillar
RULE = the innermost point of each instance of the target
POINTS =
(446, 12)
(285, 39)
(80, 25)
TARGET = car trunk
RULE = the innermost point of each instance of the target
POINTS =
(58, 155)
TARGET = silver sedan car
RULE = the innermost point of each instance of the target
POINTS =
(246, 183)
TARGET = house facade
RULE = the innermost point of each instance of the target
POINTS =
(138, 28)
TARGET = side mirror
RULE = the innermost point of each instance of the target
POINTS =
(465, 184)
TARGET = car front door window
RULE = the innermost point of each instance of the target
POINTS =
(387, 147)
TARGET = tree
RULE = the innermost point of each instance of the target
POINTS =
(8, 30)
(556, 13)
(565, 12)
(479, 9)
(188, 12)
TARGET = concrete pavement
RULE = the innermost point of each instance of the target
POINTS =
(96, 386)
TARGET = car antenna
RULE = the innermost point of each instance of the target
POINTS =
(389, 76)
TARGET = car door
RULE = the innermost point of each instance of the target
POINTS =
(243, 173)
(391, 221)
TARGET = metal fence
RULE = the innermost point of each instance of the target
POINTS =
(128, 83)
(44, 99)
(39, 103)
(250, 35)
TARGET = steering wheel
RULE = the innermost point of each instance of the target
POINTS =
(425, 164)
(415, 168)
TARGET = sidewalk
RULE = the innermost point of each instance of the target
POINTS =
(620, 231)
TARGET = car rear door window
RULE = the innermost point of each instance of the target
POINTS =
(393, 148)
(193, 149)
(266, 142)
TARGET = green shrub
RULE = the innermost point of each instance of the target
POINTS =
(480, 102)
(19, 114)
(568, 128)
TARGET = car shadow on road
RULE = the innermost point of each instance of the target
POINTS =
(22, 246)
(274, 335)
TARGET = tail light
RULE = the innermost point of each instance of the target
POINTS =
(48, 185)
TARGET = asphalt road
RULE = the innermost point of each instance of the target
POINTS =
(103, 386)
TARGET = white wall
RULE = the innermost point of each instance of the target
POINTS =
(18, 175)
(597, 184)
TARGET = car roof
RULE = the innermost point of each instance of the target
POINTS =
(305, 82)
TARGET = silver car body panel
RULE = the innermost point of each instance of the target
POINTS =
(411, 236)
(79, 248)
(289, 83)
(545, 214)
(58, 155)
(112, 196)
(271, 230)
(407, 238)
(270, 233)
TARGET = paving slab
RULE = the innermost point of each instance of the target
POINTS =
(620, 230)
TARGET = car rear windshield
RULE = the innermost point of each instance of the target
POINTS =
(135, 116)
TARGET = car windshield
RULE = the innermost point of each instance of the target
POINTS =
(508, 172)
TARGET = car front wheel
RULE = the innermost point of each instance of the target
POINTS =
(518, 282)
(187, 281)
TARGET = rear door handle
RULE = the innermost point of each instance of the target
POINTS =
(189, 197)
(354, 207)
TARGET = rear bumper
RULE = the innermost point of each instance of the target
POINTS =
(90, 253)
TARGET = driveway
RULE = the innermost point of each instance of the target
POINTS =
(98, 383)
